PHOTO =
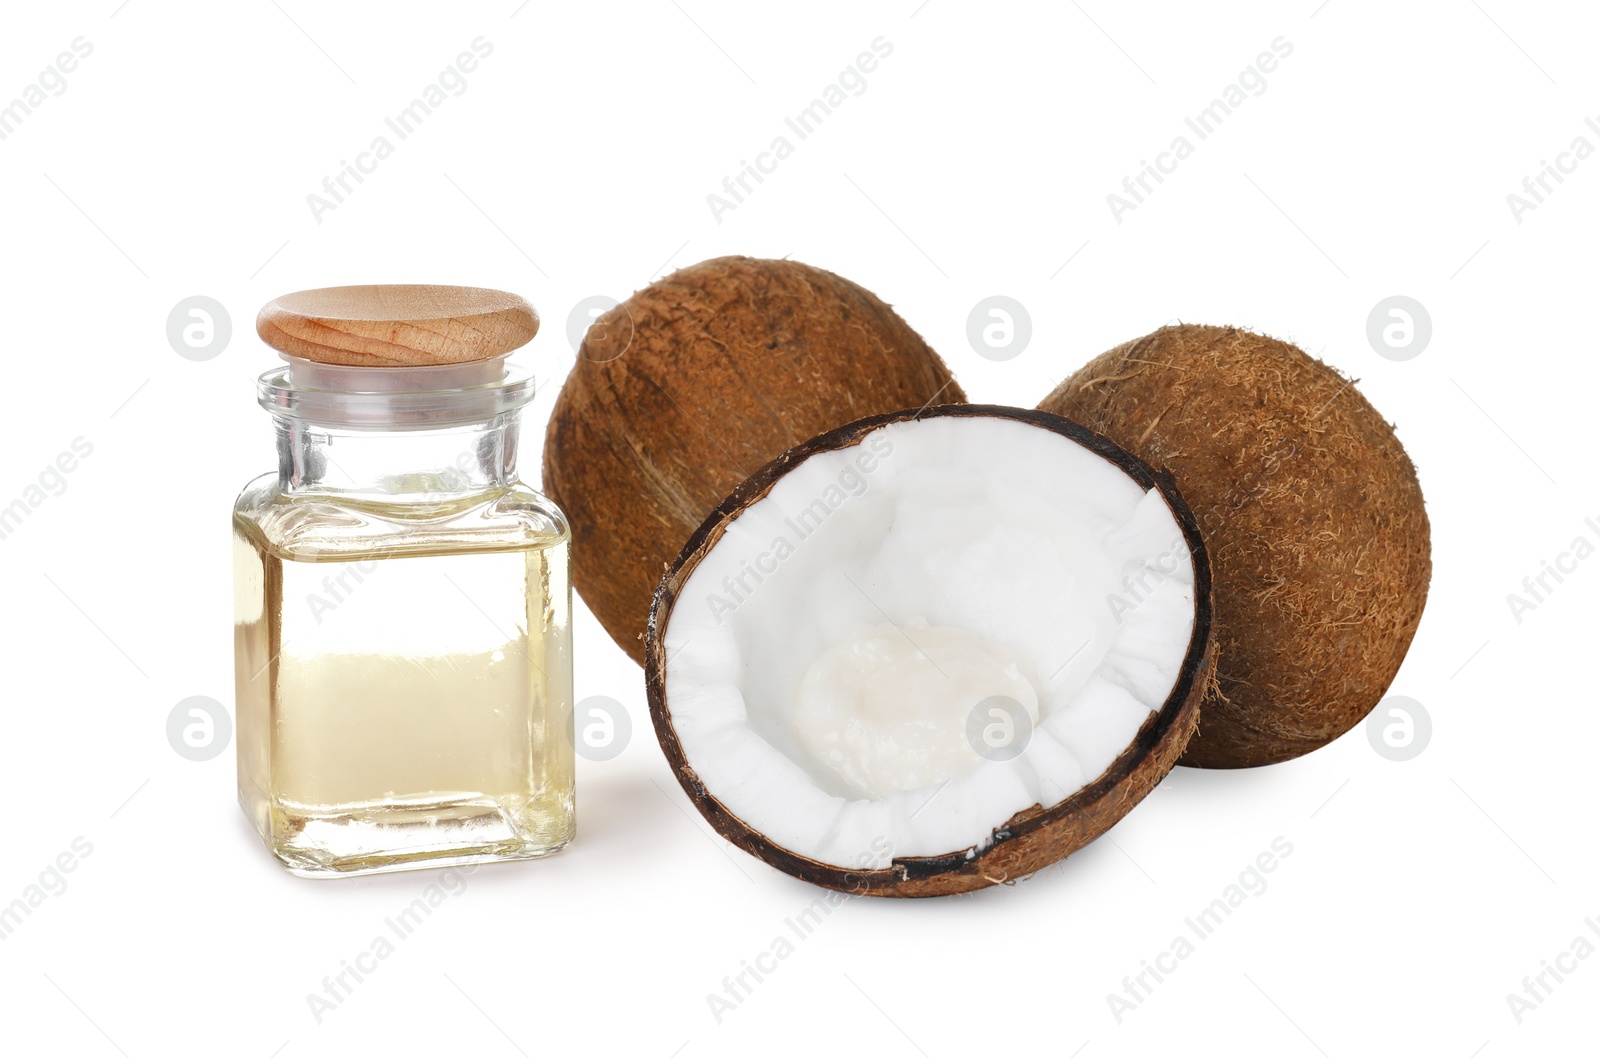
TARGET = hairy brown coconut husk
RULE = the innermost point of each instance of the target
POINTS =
(682, 391)
(1312, 516)
(1030, 840)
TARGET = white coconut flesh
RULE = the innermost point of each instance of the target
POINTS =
(908, 641)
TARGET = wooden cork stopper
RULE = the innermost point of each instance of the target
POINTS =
(398, 325)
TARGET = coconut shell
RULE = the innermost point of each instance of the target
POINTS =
(1312, 516)
(1033, 838)
(685, 389)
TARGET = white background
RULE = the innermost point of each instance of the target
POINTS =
(578, 162)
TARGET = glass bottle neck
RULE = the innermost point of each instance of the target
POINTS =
(397, 466)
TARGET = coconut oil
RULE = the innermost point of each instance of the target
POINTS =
(369, 739)
(402, 627)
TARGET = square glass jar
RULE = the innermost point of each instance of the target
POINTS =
(402, 626)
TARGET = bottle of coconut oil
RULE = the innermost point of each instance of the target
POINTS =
(403, 665)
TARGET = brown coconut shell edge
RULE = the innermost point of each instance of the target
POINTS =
(1031, 839)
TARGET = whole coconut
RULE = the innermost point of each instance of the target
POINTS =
(687, 388)
(1310, 510)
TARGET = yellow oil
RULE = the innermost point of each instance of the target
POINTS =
(402, 706)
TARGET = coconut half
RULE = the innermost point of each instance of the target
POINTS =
(930, 652)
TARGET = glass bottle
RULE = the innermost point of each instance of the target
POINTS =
(403, 664)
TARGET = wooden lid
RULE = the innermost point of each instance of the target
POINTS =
(399, 325)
